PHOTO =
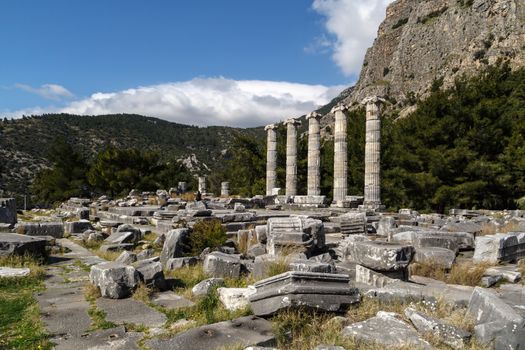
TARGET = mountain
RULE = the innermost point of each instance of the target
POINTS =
(25, 142)
(423, 41)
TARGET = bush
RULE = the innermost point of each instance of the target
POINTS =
(207, 234)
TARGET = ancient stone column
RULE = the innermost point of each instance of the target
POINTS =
(225, 189)
(373, 153)
(291, 156)
(271, 159)
(340, 155)
(202, 184)
(314, 154)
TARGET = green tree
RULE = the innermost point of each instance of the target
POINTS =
(117, 171)
(65, 179)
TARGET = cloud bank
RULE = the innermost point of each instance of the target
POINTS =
(354, 24)
(207, 101)
(48, 91)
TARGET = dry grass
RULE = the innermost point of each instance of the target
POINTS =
(300, 329)
(111, 256)
(245, 242)
(91, 292)
(143, 293)
(188, 196)
(464, 273)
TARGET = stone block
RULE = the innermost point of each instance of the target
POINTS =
(8, 211)
(371, 277)
(495, 320)
(151, 273)
(294, 289)
(77, 227)
(54, 229)
(439, 256)
(386, 329)
(353, 223)
(311, 266)
(297, 233)
(380, 256)
(435, 240)
(499, 247)
(256, 250)
(15, 244)
(13, 271)
(235, 298)
(260, 232)
(451, 335)
(122, 237)
(126, 258)
(386, 226)
(222, 265)
(244, 331)
(115, 280)
(206, 286)
(174, 244)
(179, 263)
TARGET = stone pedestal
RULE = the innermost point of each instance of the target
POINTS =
(340, 155)
(8, 211)
(202, 184)
(225, 189)
(314, 154)
(291, 156)
(373, 153)
(271, 159)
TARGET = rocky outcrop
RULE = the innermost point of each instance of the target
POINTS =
(424, 40)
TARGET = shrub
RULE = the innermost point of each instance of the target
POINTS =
(207, 234)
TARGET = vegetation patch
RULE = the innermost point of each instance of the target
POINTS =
(98, 316)
(207, 234)
(434, 14)
(20, 324)
(463, 273)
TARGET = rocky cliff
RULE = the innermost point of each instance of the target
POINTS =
(424, 40)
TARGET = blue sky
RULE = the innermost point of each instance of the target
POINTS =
(171, 58)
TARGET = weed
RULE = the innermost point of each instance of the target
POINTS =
(142, 293)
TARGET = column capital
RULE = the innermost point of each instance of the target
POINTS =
(270, 127)
(292, 121)
(314, 115)
(339, 107)
(373, 100)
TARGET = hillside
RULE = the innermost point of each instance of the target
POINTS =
(24, 143)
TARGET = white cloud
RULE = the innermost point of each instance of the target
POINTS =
(354, 24)
(48, 91)
(207, 101)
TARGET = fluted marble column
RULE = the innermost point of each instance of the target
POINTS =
(202, 184)
(271, 158)
(373, 152)
(340, 155)
(291, 156)
(314, 154)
